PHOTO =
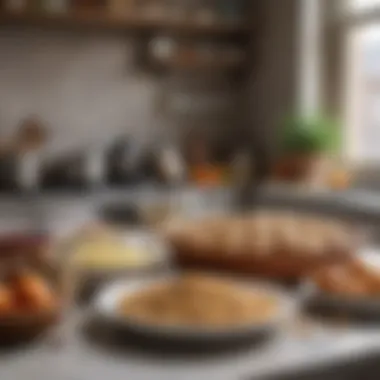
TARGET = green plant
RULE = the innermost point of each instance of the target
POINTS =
(309, 135)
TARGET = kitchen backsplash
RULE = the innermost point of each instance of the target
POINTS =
(85, 87)
(79, 85)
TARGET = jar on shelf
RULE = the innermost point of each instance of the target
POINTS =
(177, 11)
(89, 5)
(205, 14)
(162, 48)
(15, 5)
(121, 7)
(29, 141)
(232, 10)
(153, 10)
(96, 164)
(56, 6)
(36, 5)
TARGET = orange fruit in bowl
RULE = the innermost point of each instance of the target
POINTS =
(6, 300)
(33, 292)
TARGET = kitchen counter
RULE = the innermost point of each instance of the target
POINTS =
(88, 352)
(57, 208)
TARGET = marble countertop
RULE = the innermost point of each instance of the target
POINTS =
(88, 351)
(47, 208)
(85, 351)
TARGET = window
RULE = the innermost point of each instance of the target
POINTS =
(362, 95)
(363, 5)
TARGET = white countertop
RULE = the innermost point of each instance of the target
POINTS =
(97, 356)
(81, 358)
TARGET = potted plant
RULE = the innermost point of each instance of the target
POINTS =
(305, 143)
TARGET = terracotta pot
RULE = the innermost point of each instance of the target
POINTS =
(298, 167)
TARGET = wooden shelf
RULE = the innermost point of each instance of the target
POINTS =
(216, 27)
(100, 19)
(77, 19)
(203, 64)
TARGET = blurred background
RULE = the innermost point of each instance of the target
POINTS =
(200, 77)
(123, 121)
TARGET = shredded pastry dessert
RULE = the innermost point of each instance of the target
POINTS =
(198, 300)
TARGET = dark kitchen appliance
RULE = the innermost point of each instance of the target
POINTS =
(67, 172)
(120, 213)
(9, 172)
(124, 162)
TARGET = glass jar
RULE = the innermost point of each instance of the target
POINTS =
(56, 6)
(121, 7)
(233, 10)
(15, 5)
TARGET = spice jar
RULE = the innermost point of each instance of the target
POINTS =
(56, 6)
(28, 142)
(15, 5)
(121, 7)
(88, 5)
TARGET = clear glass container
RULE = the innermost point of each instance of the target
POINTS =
(57, 6)
(15, 5)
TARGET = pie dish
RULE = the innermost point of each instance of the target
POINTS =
(116, 304)
(352, 287)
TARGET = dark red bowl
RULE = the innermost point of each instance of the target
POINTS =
(22, 243)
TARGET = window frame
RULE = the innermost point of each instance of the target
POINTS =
(340, 21)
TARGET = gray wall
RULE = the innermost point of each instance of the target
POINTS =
(85, 86)
(82, 85)
(274, 76)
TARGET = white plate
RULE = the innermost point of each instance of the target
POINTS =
(107, 302)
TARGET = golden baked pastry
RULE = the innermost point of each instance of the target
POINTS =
(274, 244)
(196, 300)
(352, 278)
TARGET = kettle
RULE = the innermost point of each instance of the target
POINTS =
(123, 162)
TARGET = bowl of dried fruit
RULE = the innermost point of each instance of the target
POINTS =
(32, 285)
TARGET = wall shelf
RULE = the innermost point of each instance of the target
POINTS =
(200, 64)
(102, 20)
